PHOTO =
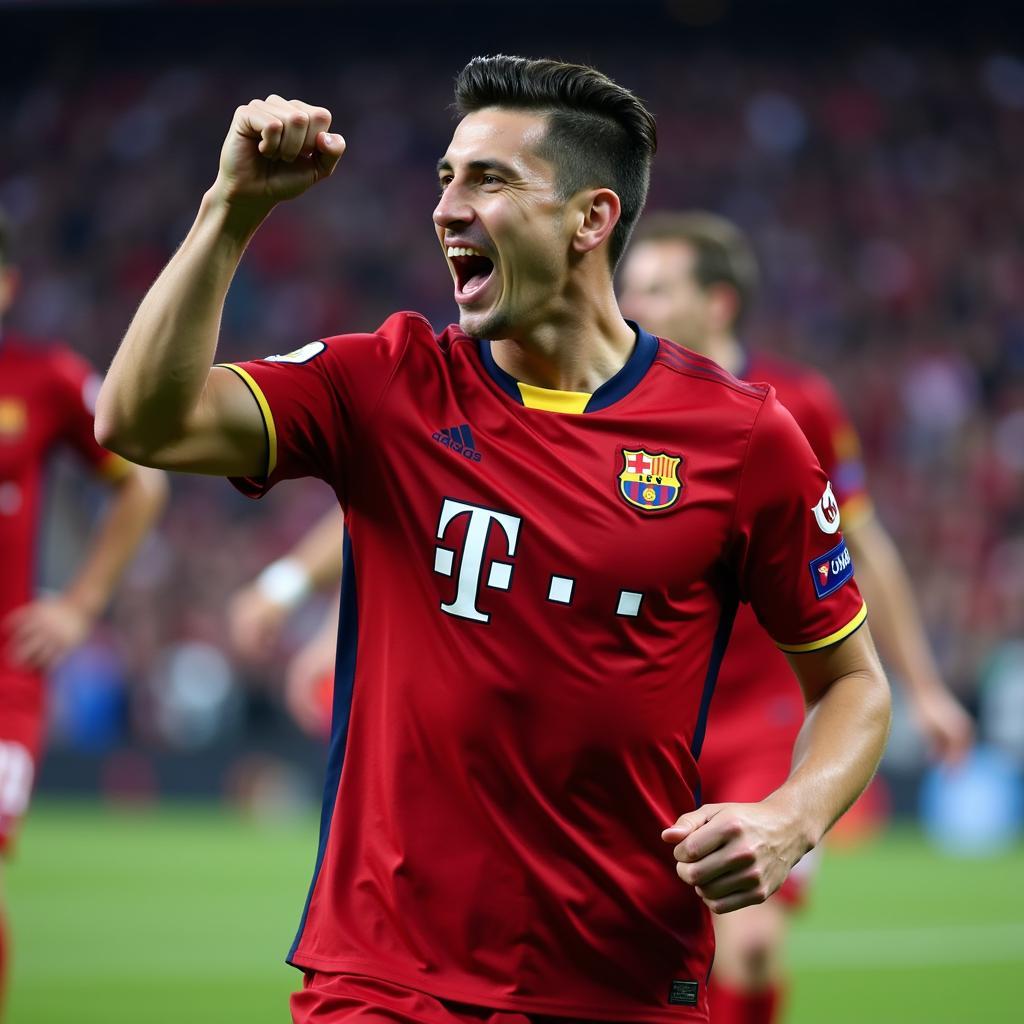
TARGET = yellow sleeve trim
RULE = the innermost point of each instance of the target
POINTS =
(856, 511)
(114, 469)
(268, 416)
(553, 401)
(832, 638)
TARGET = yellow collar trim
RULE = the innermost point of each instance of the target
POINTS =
(553, 401)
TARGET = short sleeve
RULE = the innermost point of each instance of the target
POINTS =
(793, 565)
(318, 401)
(76, 385)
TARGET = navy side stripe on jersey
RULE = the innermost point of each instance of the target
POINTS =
(344, 683)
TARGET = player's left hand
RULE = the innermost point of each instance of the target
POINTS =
(734, 855)
(41, 633)
(947, 727)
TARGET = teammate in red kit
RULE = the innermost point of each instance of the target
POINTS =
(259, 610)
(46, 395)
(550, 515)
(691, 277)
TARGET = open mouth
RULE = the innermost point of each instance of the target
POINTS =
(472, 270)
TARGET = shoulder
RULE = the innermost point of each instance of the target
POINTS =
(695, 380)
(799, 386)
(45, 360)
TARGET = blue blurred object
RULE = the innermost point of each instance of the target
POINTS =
(975, 808)
(88, 699)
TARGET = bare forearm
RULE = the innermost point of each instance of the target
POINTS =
(837, 750)
(894, 616)
(157, 376)
(133, 509)
(319, 551)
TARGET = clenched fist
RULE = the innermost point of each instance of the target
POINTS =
(275, 149)
(734, 855)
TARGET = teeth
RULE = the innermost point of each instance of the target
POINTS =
(461, 250)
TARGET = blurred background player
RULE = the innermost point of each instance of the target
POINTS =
(259, 610)
(46, 400)
(691, 278)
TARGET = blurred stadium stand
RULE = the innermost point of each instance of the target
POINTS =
(875, 155)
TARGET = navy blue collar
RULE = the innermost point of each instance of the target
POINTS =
(616, 387)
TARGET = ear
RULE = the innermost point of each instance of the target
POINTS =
(599, 212)
(724, 306)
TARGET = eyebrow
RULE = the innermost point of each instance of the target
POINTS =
(506, 170)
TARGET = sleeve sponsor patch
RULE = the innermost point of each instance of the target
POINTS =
(831, 570)
(826, 512)
(300, 355)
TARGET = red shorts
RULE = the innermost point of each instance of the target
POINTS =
(337, 998)
(21, 735)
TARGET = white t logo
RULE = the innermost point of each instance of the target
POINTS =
(499, 576)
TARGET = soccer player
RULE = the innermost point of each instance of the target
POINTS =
(549, 515)
(46, 396)
(691, 277)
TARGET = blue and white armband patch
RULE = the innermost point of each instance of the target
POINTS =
(831, 570)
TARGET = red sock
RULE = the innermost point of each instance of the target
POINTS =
(733, 1006)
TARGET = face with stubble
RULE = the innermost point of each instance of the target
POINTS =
(501, 223)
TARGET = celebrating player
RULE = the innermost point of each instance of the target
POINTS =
(46, 396)
(550, 515)
(691, 277)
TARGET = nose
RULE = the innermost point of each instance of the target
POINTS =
(452, 208)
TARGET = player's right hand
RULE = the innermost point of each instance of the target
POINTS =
(275, 149)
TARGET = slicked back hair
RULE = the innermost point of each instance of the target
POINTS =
(722, 252)
(599, 134)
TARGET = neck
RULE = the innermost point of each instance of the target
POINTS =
(575, 347)
(724, 349)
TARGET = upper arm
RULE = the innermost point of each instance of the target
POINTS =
(855, 655)
(225, 435)
(792, 563)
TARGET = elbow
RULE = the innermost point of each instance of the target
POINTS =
(109, 433)
(116, 432)
(106, 433)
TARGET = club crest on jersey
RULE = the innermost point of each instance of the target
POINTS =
(650, 481)
(826, 512)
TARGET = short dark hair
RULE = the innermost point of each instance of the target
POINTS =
(723, 253)
(599, 134)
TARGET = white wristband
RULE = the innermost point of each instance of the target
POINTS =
(284, 582)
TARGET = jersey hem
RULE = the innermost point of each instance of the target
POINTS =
(833, 638)
(265, 412)
(546, 1007)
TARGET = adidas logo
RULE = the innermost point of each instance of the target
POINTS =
(458, 440)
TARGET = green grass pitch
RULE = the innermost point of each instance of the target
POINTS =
(184, 914)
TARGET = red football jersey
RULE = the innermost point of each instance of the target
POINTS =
(46, 400)
(758, 706)
(534, 607)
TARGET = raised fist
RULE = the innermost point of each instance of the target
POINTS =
(275, 149)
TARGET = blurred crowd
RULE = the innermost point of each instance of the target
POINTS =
(882, 189)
